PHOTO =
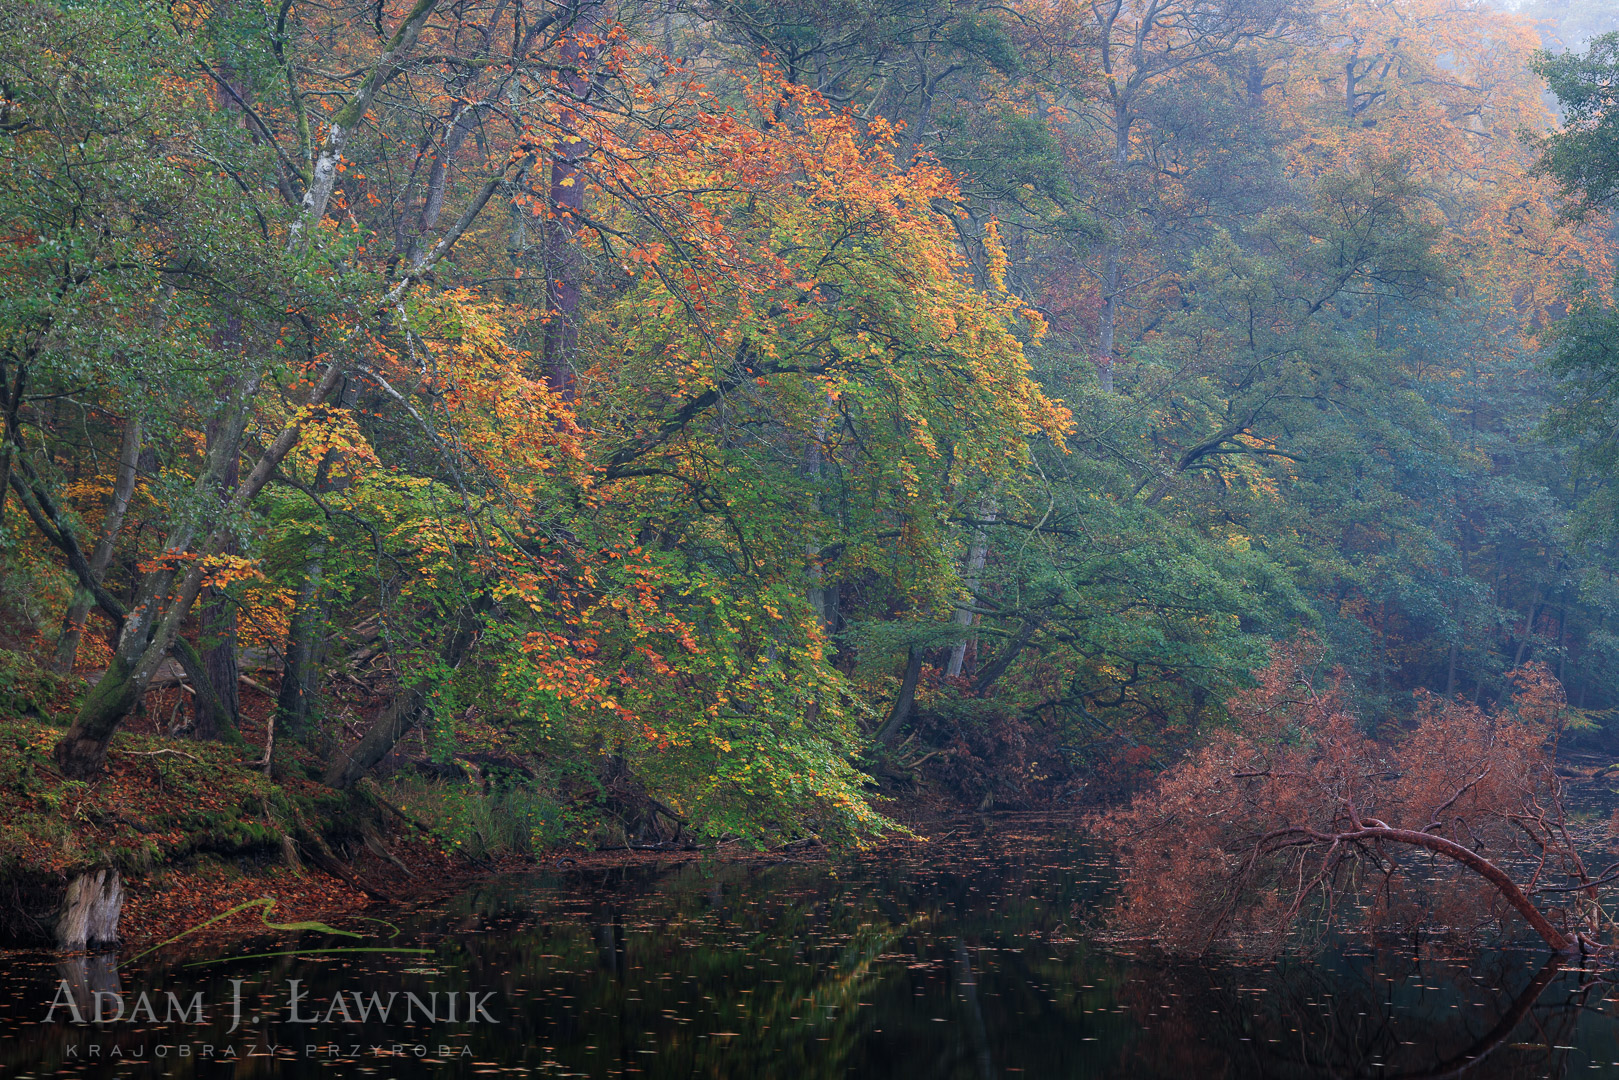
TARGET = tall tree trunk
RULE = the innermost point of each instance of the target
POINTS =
(1112, 252)
(1254, 84)
(1107, 322)
(129, 457)
(821, 598)
(10, 437)
(223, 709)
(900, 714)
(196, 669)
(976, 557)
(564, 207)
(998, 667)
(1562, 628)
(295, 701)
(1528, 631)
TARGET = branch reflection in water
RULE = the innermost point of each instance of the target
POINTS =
(967, 957)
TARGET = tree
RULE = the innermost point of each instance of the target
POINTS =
(1295, 813)
(1584, 157)
(208, 200)
(1140, 46)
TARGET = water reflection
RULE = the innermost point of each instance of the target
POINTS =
(961, 958)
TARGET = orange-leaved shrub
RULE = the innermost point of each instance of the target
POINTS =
(1296, 815)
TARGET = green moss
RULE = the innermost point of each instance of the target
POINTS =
(26, 688)
(156, 805)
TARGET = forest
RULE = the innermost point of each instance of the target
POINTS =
(663, 421)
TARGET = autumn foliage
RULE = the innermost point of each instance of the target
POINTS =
(692, 419)
(1297, 818)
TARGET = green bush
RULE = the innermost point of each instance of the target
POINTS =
(499, 817)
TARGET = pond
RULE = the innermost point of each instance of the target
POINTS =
(962, 957)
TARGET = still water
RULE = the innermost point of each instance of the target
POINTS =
(966, 956)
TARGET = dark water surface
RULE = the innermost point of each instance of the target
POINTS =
(962, 957)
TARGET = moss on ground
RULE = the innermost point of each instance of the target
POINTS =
(155, 804)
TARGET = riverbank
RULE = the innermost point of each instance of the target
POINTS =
(177, 836)
(173, 837)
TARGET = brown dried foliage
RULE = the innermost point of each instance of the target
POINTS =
(1296, 815)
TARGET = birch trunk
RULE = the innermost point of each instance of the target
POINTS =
(977, 555)
(323, 180)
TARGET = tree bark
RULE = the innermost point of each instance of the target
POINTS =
(324, 174)
(1528, 631)
(196, 669)
(296, 698)
(221, 669)
(564, 208)
(821, 598)
(223, 709)
(408, 709)
(1112, 274)
(997, 667)
(10, 437)
(129, 454)
(152, 625)
(900, 714)
(1108, 320)
(1509, 890)
(977, 555)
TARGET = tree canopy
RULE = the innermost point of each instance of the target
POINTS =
(704, 415)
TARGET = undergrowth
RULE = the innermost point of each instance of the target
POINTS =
(484, 820)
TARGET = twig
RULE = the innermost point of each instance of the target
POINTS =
(264, 763)
(256, 685)
(156, 753)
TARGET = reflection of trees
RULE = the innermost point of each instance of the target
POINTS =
(1492, 1040)
(780, 972)
(1380, 1020)
(814, 976)
(949, 962)
(916, 962)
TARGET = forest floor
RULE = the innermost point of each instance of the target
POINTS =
(196, 828)
(193, 831)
